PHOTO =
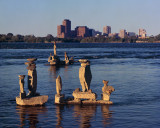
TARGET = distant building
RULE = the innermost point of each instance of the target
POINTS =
(61, 31)
(67, 24)
(106, 30)
(97, 33)
(73, 34)
(82, 31)
(64, 31)
(91, 32)
(131, 34)
(142, 33)
(122, 33)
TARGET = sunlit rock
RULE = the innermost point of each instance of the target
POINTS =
(59, 98)
(33, 98)
(86, 96)
(106, 91)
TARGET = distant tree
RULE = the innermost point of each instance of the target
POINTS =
(9, 35)
(30, 38)
(49, 38)
(3, 38)
(157, 37)
(40, 39)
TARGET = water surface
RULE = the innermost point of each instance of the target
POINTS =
(132, 69)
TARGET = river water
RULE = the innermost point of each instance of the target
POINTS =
(132, 69)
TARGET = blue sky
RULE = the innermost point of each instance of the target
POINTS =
(41, 17)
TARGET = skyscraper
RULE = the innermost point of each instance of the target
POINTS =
(61, 31)
(82, 31)
(122, 33)
(67, 24)
(106, 30)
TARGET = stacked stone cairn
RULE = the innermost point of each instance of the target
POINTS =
(106, 91)
(33, 98)
(66, 60)
(54, 60)
(59, 98)
(85, 78)
(22, 93)
(32, 77)
(86, 96)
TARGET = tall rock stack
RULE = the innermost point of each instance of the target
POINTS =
(33, 98)
(32, 76)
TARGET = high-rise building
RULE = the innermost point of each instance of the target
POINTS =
(67, 24)
(61, 31)
(64, 30)
(142, 33)
(122, 33)
(106, 30)
(82, 31)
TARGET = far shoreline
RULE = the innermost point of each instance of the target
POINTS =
(59, 42)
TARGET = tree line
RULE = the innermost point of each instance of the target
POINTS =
(33, 39)
(116, 39)
(49, 39)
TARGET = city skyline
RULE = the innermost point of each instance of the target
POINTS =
(42, 17)
(64, 31)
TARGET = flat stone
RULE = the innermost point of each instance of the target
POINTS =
(83, 60)
(33, 101)
(31, 59)
(84, 95)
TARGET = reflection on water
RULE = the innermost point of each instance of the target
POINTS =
(59, 109)
(29, 115)
(84, 115)
(106, 114)
(53, 70)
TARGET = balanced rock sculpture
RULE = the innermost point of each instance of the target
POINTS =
(106, 91)
(86, 96)
(33, 98)
(59, 98)
(22, 93)
(32, 77)
(66, 60)
(85, 77)
(54, 60)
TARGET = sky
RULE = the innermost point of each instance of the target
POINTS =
(41, 17)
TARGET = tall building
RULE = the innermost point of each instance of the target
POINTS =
(106, 30)
(64, 30)
(142, 33)
(122, 33)
(82, 31)
(67, 24)
(61, 31)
